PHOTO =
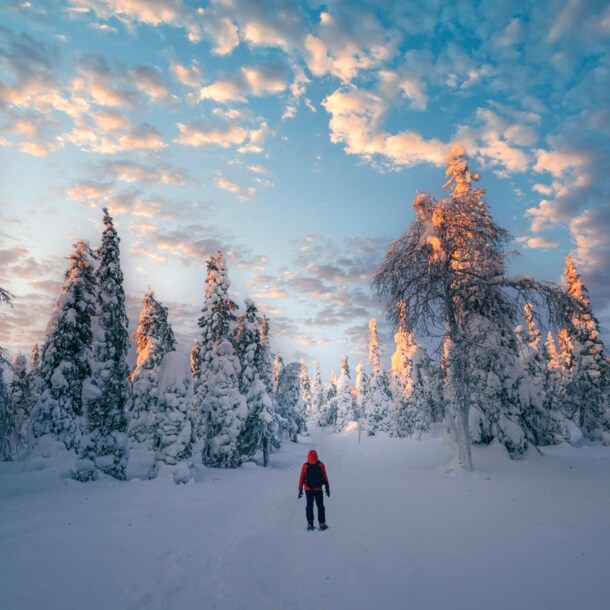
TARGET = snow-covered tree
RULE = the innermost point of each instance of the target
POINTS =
(225, 408)
(379, 406)
(172, 429)
(318, 395)
(328, 417)
(262, 358)
(448, 271)
(278, 367)
(585, 364)
(289, 401)
(21, 400)
(216, 323)
(104, 444)
(261, 426)
(65, 356)
(8, 430)
(305, 387)
(360, 392)
(345, 406)
(532, 391)
(248, 345)
(154, 339)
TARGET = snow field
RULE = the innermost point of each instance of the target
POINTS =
(406, 531)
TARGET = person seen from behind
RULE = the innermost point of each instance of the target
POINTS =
(313, 478)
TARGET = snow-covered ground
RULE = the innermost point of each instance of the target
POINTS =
(406, 531)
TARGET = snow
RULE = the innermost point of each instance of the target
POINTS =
(407, 530)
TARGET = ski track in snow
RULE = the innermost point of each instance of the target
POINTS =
(406, 531)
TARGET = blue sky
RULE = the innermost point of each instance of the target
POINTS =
(294, 136)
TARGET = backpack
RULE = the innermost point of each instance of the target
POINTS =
(313, 477)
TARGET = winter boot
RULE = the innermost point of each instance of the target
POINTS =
(323, 526)
(310, 526)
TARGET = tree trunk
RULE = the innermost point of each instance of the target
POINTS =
(265, 451)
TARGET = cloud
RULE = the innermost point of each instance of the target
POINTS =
(538, 242)
(132, 171)
(357, 122)
(243, 193)
(251, 80)
(150, 12)
(140, 137)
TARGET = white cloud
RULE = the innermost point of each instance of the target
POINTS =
(243, 192)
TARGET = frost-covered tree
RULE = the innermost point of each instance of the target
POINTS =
(261, 426)
(585, 365)
(22, 402)
(448, 270)
(225, 408)
(65, 356)
(278, 367)
(379, 406)
(172, 429)
(538, 414)
(290, 403)
(248, 345)
(104, 444)
(305, 387)
(262, 358)
(216, 323)
(154, 339)
(318, 395)
(360, 392)
(328, 417)
(344, 401)
(8, 430)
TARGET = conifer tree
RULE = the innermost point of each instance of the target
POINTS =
(290, 402)
(360, 394)
(305, 388)
(65, 356)
(172, 427)
(248, 345)
(216, 323)
(154, 339)
(104, 447)
(7, 421)
(225, 408)
(21, 401)
(585, 363)
(345, 407)
(262, 358)
(318, 395)
(278, 367)
(329, 416)
(379, 407)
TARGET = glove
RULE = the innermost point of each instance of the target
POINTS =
(327, 492)
(300, 494)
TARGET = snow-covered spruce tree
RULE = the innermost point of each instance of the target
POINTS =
(585, 362)
(305, 388)
(290, 403)
(379, 406)
(328, 416)
(6, 415)
(318, 395)
(260, 430)
(216, 323)
(65, 356)
(248, 345)
(345, 406)
(449, 271)
(278, 367)
(154, 339)
(360, 393)
(104, 444)
(225, 408)
(172, 428)
(21, 399)
(536, 412)
(261, 426)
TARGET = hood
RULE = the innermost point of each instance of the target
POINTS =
(312, 456)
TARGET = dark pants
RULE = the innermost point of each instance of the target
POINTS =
(318, 496)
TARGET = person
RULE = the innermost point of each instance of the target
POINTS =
(313, 477)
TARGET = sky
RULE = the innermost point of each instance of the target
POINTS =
(293, 136)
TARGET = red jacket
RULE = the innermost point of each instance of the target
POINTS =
(312, 458)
